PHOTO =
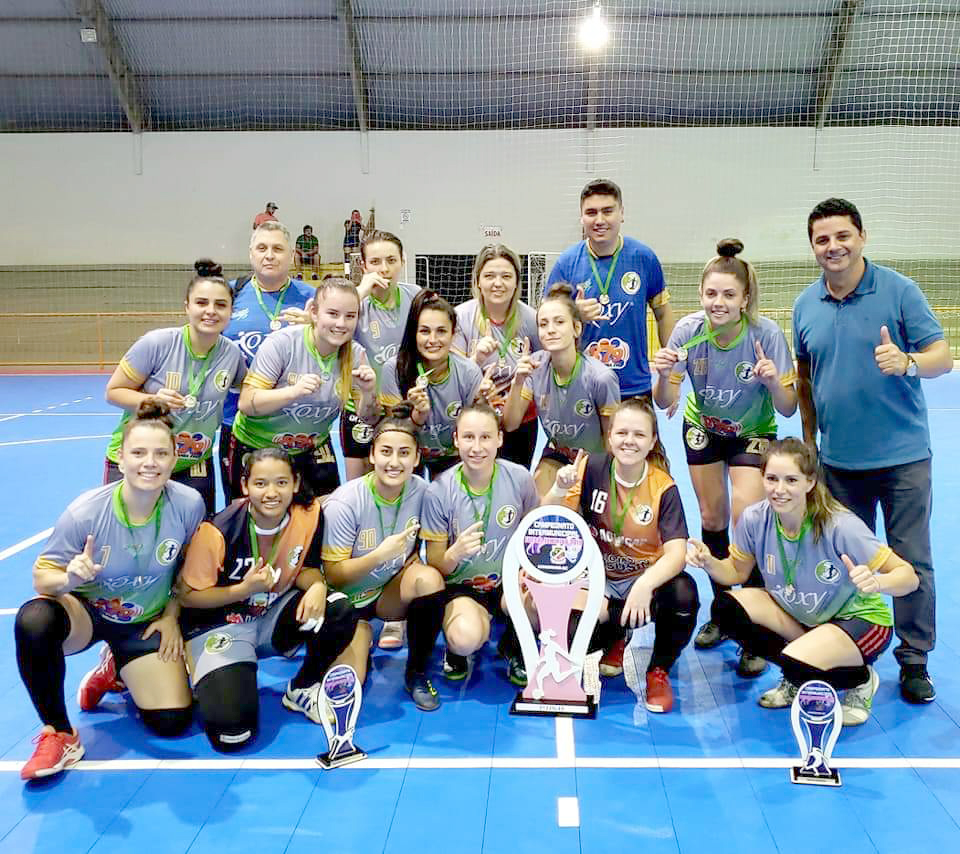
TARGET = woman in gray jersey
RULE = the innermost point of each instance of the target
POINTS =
(821, 612)
(575, 395)
(105, 574)
(191, 369)
(742, 374)
(495, 329)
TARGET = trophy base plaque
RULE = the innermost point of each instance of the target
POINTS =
(812, 778)
(553, 708)
(325, 762)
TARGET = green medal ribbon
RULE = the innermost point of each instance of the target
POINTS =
(573, 373)
(196, 380)
(790, 567)
(710, 334)
(276, 312)
(325, 362)
(617, 518)
(393, 296)
(605, 286)
(255, 545)
(120, 509)
(509, 330)
(486, 495)
(382, 502)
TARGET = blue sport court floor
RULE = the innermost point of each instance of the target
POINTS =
(710, 777)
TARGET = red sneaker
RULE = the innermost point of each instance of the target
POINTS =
(56, 751)
(101, 680)
(612, 662)
(659, 692)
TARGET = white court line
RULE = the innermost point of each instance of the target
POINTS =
(19, 547)
(566, 749)
(11, 417)
(702, 763)
(568, 812)
(47, 441)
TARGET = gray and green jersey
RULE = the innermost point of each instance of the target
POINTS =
(300, 426)
(447, 398)
(139, 561)
(356, 521)
(727, 398)
(570, 412)
(381, 325)
(164, 358)
(472, 326)
(451, 507)
(818, 588)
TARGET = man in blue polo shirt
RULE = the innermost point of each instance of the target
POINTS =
(864, 335)
(616, 279)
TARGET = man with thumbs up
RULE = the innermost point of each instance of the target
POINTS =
(864, 335)
(615, 278)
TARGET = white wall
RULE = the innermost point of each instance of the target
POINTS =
(78, 198)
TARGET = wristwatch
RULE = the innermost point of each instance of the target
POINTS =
(912, 367)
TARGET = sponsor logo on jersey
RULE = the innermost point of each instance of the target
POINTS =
(630, 282)
(240, 314)
(386, 354)
(167, 551)
(827, 572)
(295, 441)
(583, 408)
(613, 352)
(506, 515)
(719, 398)
(218, 643)
(116, 610)
(809, 602)
(744, 372)
(696, 439)
(722, 425)
(191, 446)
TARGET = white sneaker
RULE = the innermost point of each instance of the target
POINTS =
(391, 636)
(857, 702)
(307, 701)
(779, 697)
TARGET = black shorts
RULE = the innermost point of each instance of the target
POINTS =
(489, 599)
(318, 467)
(870, 638)
(124, 639)
(704, 447)
(561, 456)
(356, 436)
(199, 477)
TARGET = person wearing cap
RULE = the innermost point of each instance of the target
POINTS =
(267, 215)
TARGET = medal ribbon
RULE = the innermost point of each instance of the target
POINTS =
(509, 329)
(325, 362)
(605, 286)
(393, 296)
(710, 334)
(573, 373)
(617, 519)
(790, 567)
(382, 502)
(195, 381)
(255, 544)
(276, 312)
(486, 495)
(121, 511)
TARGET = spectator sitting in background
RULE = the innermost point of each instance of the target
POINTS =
(265, 216)
(308, 252)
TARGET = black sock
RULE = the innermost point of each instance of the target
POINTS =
(718, 544)
(424, 621)
(41, 627)
(674, 610)
(325, 646)
(841, 678)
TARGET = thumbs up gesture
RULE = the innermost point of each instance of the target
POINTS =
(861, 575)
(765, 370)
(891, 360)
(589, 308)
(82, 566)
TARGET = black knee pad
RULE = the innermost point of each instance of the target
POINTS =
(41, 619)
(229, 706)
(167, 723)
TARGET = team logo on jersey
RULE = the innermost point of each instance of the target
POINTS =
(453, 408)
(221, 379)
(583, 408)
(630, 282)
(516, 347)
(294, 557)
(167, 551)
(362, 433)
(744, 372)
(643, 514)
(613, 352)
(218, 643)
(696, 439)
(827, 572)
(506, 515)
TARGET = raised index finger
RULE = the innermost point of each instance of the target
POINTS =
(89, 546)
(758, 349)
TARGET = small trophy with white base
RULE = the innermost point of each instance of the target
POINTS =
(816, 717)
(341, 693)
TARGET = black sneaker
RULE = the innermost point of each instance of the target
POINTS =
(455, 667)
(916, 685)
(516, 672)
(709, 636)
(750, 666)
(422, 691)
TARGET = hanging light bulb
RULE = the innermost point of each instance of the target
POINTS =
(594, 32)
